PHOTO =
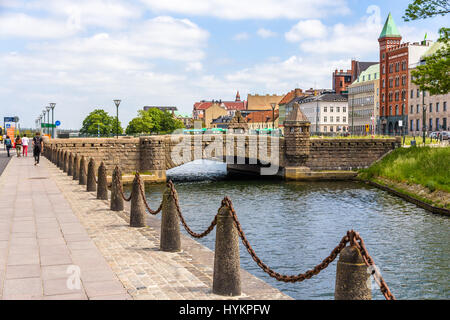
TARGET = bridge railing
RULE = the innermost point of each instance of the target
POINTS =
(354, 268)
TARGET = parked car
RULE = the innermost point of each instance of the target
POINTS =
(434, 135)
(445, 135)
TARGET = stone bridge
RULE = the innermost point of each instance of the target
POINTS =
(266, 155)
(295, 156)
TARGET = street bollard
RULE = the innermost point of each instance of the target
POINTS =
(170, 224)
(116, 196)
(352, 276)
(76, 164)
(82, 172)
(70, 165)
(102, 184)
(91, 185)
(60, 159)
(226, 278)
(137, 211)
(66, 161)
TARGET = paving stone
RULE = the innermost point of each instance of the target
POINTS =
(24, 271)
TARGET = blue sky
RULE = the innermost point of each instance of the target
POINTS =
(83, 54)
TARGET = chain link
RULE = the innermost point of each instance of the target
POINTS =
(153, 212)
(115, 180)
(183, 221)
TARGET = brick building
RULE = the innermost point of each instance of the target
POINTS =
(395, 59)
(341, 79)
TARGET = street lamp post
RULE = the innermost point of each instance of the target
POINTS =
(43, 117)
(48, 119)
(273, 105)
(117, 103)
(424, 115)
(52, 106)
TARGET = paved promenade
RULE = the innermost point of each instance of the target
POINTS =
(52, 230)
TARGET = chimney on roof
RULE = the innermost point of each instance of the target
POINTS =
(298, 92)
(238, 97)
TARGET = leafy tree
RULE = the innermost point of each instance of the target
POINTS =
(422, 9)
(153, 121)
(100, 120)
(434, 74)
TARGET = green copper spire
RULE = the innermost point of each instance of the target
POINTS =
(389, 29)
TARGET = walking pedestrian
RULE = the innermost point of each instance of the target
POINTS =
(38, 147)
(8, 145)
(25, 142)
(18, 146)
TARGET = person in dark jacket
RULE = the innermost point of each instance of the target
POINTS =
(38, 147)
(8, 145)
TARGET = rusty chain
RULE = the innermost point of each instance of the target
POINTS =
(351, 236)
(183, 221)
(120, 187)
(153, 212)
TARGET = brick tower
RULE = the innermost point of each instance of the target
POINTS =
(296, 136)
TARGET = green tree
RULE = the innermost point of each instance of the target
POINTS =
(153, 121)
(433, 75)
(100, 120)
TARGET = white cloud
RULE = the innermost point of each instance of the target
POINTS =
(251, 9)
(22, 25)
(241, 36)
(306, 29)
(265, 33)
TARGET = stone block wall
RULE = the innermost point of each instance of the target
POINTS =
(347, 154)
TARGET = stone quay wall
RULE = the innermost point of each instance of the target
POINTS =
(347, 154)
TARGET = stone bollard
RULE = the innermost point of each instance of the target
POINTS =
(70, 165)
(66, 161)
(226, 278)
(170, 224)
(76, 163)
(102, 184)
(352, 276)
(137, 211)
(82, 172)
(91, 185)
(116, 197)
(60, 159)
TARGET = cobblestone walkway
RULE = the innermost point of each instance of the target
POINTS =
(134, 256)
(129, 254)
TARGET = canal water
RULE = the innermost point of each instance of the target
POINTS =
(293, 226)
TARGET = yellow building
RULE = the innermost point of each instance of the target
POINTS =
(213, 112)
(257, 102)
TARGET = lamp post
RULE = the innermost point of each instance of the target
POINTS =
(273, 105)
(43, 117)
(117, 103)
(48, 119)
(52, 106)
(424, 115)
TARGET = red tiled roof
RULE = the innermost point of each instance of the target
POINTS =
(261, 116)
(230, 105)
(287, 98)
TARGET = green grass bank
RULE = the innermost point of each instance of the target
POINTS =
(419, 172)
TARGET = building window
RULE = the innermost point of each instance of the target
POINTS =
(383, 84)
(344, 109)
(384, 69)
(418, 93)
(412, 109)
(445, 106)
(325, 109)
(331, 119)
(338, 119)
(338, 109)
(397, 81)
(411, 125)
(418, 108)
(391, 83)
(444, 124)
(325, 129)
(390, 110)
(325, 119)
(331, 109)
(396, 110)
(431, 107)
(344, 119)
(431, 124)
(412, 94)
(403, 95)
(437, 106)
(437, 124)
(417, 124)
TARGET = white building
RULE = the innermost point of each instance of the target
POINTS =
(328, 112)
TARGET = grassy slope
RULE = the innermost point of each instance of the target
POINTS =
(429, 167)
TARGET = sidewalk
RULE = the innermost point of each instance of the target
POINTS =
(43, 246)
(48, 223)
(3, 159)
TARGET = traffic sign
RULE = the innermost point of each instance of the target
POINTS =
(57, 123)
(47, 125)
(9, 119)
(8, 125)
